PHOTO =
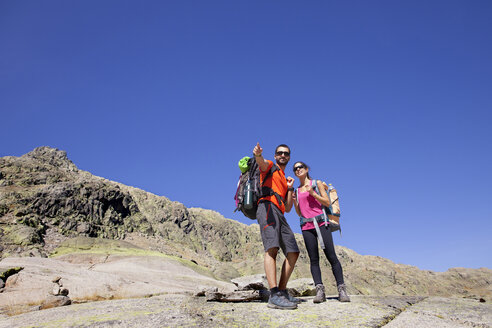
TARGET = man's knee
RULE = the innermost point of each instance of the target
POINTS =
(293, 256)
(272, 252)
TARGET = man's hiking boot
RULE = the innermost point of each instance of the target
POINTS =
(279, 301)
(320, 294)
(342, 293)
(290, 297)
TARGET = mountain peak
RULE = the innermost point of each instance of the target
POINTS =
(52, 156)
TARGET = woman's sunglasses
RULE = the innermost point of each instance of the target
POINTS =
(298, 167)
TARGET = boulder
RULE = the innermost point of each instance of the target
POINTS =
(54, 301)
(203, 290)
(22, 235)
(239, 296)
(302, 287)
(253, 282)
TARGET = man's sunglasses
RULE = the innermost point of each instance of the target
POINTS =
(298, 167)
(280, 153)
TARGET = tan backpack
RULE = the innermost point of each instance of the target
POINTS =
(332, 212)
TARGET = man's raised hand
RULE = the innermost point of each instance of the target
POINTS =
(257, 151)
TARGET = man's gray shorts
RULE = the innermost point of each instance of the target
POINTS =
(275, 231)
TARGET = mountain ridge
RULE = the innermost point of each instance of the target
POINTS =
(46, 201)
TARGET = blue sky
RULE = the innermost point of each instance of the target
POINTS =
(388, 100)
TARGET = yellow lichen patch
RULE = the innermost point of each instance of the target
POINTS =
(119, 248)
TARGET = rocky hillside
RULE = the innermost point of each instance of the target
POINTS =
(46, 202)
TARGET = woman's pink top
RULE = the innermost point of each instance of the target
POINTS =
(310, 207)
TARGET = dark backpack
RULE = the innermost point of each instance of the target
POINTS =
(250, 181)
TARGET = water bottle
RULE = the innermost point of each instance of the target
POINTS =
(248, 195)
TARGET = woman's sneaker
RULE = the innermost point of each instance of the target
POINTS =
(279, 301)
(342, 293)
(320, 294)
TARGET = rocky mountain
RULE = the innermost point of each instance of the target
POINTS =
(47, 205)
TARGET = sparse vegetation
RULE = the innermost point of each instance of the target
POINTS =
(50, 208)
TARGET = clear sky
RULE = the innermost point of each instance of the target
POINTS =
(391, 101)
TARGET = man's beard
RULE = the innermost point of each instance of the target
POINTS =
(280, 160)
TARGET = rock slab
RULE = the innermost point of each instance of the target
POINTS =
(182, 310)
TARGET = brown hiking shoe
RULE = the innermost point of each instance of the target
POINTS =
(342, 293)
(320, 294)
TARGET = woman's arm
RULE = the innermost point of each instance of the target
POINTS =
(296, 203)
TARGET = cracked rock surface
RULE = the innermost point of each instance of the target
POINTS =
(187, 311)
(445, 312)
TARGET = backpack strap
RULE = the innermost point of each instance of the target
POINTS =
(316, 226)
(267, 191)
(314, 185)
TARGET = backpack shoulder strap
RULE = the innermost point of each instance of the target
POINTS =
(269, 191)
(269, 174)
(314, 184)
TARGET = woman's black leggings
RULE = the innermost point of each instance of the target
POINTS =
(311, 241)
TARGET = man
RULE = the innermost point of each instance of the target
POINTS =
(275, 231)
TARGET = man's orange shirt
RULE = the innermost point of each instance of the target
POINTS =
(278, 183)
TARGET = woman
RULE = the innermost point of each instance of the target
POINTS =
(308, 206)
